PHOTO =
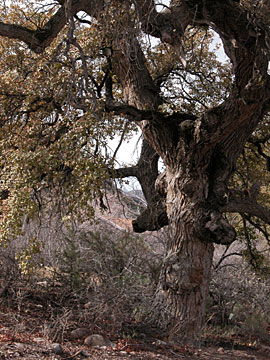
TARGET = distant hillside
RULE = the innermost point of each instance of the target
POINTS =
(135, 194)
(113, 219)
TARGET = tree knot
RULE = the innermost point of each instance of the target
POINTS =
(211, 226)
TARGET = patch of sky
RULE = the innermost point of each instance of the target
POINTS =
(217, 47)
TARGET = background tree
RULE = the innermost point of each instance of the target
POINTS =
(73, 71)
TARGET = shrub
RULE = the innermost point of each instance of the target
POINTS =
(239, 299)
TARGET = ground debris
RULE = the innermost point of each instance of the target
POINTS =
(27, 339)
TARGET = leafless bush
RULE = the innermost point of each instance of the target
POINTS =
(9, 270)
(55, 330)
(104, 274)
(239, 300)
(112, 275)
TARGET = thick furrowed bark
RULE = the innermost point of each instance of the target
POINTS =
(181, 296)
(182, 293)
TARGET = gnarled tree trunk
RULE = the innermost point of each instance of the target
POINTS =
(181, 296)
(195, 223)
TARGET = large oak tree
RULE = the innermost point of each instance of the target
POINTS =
(106, 72)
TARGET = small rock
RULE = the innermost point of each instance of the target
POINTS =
(160, 342)
(79, 333)
(97, 340)
(19, 346)
(220, 350)
(101, 347)
(42, 283)
(57, 349)
(39, 340)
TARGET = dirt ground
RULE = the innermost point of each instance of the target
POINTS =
(25, 334)
(34, 350)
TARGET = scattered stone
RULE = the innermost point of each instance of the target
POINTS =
(220, 350)
(42, 283)
(160, 342)
(97, 340)
(38, 340)
(79, 333)
(57, 349)
(19, 346)
(103, 347)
